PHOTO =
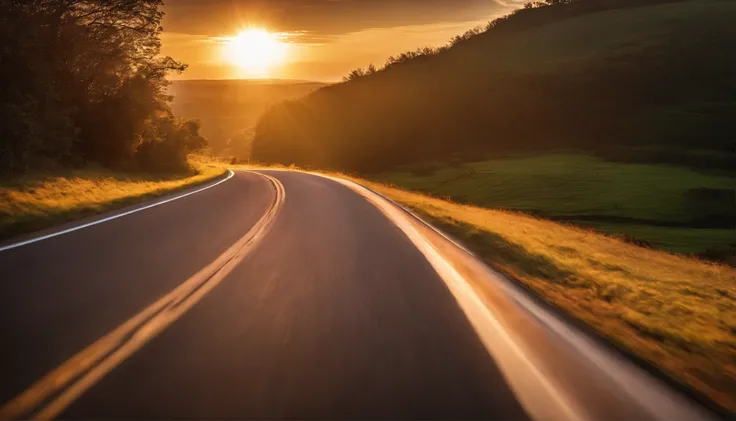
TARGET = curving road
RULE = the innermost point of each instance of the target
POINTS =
(287, 295)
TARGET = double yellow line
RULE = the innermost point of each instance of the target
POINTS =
(53, 393)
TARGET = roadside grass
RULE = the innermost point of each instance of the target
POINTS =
(664, 205)
(676, 312)
(38, 201)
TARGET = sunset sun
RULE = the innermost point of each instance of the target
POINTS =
(256, 51)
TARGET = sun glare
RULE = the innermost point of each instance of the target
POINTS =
(256, 51)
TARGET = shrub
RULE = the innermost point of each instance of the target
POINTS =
(166, 144)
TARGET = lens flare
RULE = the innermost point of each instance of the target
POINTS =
(256, 51)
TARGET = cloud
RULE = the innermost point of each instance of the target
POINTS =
(511, 3)
(328, 38)
(318, 17)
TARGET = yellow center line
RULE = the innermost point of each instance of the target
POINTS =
(58, 389)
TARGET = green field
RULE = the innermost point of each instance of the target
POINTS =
(672, 208)
(677, 312)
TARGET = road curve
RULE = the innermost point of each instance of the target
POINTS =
(298, 298)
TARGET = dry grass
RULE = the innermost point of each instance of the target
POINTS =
(37, 201)
(678, 313)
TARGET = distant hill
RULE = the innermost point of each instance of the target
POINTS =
(633, 79)
(229, 109)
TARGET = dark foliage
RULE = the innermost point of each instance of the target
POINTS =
(676, 94)
(82, 80)
(165, 143)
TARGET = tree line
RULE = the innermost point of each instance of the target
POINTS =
(83, 81)
(477, 98)
(512, 20)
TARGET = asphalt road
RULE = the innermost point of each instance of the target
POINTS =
(331, 313)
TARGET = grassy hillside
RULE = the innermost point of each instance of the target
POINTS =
(669, 207)
(40, 200)
(229, 109)
(603, 75)
(677, 313)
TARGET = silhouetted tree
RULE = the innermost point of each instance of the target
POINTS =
(354, 75)
(81, 80)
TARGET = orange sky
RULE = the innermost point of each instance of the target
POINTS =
(326, 38)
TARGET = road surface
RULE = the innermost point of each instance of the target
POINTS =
(277, 295)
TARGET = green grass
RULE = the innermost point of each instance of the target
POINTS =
(654, 203)
(676, 312)
(37, 201)
(676, 240)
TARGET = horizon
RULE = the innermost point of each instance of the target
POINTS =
(257, 80)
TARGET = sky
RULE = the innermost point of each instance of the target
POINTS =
(325, 39)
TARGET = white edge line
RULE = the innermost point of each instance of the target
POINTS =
(539, 397)
(656, 398)
(110, 218)
(58, 391)
(420, 219)
(666, 405)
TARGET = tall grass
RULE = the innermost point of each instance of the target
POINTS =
(37, 201)
(678, 313)
(670, 207)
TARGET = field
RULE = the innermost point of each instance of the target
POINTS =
(38, 201)
(676, 312)
(229, 109)
(672, 208)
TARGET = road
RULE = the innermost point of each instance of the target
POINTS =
(281, 295)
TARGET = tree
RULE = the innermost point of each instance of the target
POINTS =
(81, 80)
(355, 74)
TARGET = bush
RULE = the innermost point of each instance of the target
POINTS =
(166, 144)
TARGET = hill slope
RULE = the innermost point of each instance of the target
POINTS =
(229, 109)
(591, 74)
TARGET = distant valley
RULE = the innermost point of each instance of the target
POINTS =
(229, 109)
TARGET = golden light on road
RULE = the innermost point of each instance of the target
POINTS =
(256, 51)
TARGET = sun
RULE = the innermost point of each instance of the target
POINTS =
(256, 51)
